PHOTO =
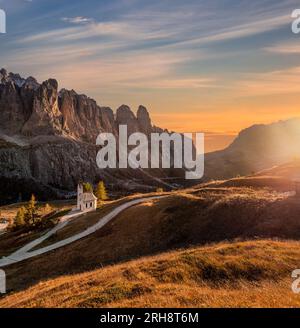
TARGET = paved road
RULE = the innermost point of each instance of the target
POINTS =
(24, 254)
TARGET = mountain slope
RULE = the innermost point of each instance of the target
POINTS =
(241, 274)
(289, 171)
(256, 148)
(182, 219)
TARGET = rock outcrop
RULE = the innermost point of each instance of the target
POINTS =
(144, 120)
(48, 139)
(32, 109)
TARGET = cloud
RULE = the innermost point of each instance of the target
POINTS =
(81, 32)
(175, 83)
(84, 69)
(240, 31)
(77, 20)
(286, 81)
(285, 48)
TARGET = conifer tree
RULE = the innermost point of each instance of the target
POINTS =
(31, 214)
(20, 218)
(101, 191)
(87, 187)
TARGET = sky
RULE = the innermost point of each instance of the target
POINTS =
(214, 66)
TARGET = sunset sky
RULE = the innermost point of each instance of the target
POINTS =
(208, 66)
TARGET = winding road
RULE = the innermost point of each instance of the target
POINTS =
(25, 254)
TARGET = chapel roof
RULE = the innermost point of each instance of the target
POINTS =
(88, 197)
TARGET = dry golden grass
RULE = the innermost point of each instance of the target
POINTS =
(14, 240)
(181, 220)
(87, 220)
(9, 211)
(277, 183)
(240, 274)
(279, 178)
(287, 170)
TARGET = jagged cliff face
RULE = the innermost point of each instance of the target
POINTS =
(32, 109)
(48, 137)
(83, 119)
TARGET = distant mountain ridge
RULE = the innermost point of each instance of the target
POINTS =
(256, 148)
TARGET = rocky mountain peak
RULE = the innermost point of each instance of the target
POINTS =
(17, 81)
(33, 109)
(124, 116)
(144, 120)
(3, 74)
(124, 113)
(51, 83)
(6, 77)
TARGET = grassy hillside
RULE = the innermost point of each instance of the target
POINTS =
(280, 184)
(240, 274)
(13, 240)
(180, 220)
(279, 178)
(288, 170)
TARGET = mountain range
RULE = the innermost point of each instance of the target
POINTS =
(47, 143)
(47, 139)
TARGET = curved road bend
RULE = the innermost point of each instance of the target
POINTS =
(24, 254)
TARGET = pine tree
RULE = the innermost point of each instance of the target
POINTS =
(20, 218)
(101, 191)
(31, 214)
(87, 187)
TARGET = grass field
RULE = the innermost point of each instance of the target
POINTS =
(214, 245)
(87, 220)
(180, 220)
(240, 274)
(13, 240)
(9, 211)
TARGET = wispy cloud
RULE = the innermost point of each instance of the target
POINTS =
(240, 31)
(175, 83)
(278, 82)
(80, 33)
(291, 47)
(77, 20)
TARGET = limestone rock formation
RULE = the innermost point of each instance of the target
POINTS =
(48, 139)
(144, 120)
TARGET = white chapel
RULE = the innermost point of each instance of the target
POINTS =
(86, 201)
